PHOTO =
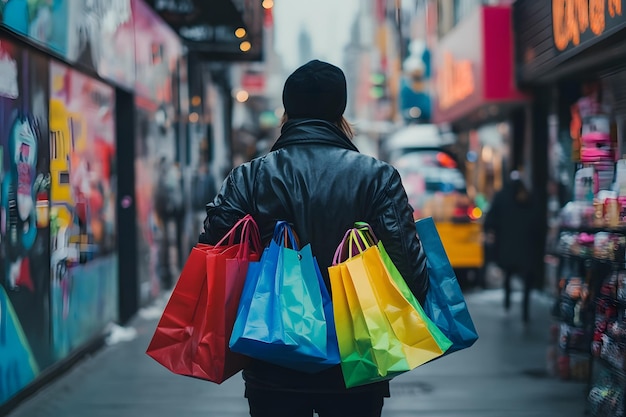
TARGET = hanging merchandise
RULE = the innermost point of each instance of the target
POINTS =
(588, 253)
(588, 115)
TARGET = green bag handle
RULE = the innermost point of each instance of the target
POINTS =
(360, 237)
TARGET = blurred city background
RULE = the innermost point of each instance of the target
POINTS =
(119, 120)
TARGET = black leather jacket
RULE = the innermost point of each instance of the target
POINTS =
(315, 178)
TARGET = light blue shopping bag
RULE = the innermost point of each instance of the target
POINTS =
(285, 312)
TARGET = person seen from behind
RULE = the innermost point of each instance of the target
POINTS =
(315, 178)
(169, 206)
(511, 228)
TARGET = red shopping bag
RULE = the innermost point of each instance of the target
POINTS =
(192, 335)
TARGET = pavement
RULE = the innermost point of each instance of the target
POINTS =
(504, 374)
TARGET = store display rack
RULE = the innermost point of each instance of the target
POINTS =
(589, 333)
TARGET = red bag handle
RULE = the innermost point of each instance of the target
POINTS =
(249, 236)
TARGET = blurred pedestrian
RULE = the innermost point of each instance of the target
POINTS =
(203, 191)
(511, 228)
(170, 210)
(315, 178)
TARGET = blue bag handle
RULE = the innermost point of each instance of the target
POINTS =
(285, 236)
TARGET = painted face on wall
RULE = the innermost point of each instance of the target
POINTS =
(24, 157)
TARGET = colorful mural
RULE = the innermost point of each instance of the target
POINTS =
(58, 238)
(44, 21)
(82, 214)
(18, 366)
(101, 36)
(158, 54)
(97, 34)
(24, 231)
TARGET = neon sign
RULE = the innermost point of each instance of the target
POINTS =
(571, 18)
(455, 82)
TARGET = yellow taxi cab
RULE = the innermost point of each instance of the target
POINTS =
(436, 187)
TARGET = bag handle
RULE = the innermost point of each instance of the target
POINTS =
(284, 235)
(353, 239)
(360, 237)
(231, 233)
(249, 233)
(368, 232)
(339, 251)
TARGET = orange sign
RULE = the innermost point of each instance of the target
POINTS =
(455, 81)
(571, 18)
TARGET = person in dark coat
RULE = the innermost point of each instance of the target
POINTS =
(315, 178)
(511, 228)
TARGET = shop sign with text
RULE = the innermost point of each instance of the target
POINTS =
(456, 81)
(473, 65)
(577, 21)
(551, 33)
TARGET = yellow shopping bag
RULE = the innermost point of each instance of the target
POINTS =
(381, 327)
(357, 359)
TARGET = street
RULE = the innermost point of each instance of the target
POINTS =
(503, 374)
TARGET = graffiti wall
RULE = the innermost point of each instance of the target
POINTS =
(97, 34)
(58, 237)
(58, 261)
(158, 182)
(24, 229)
(101, 37)
(44, 21)
(82, 214)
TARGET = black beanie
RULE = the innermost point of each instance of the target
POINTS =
(316, 90)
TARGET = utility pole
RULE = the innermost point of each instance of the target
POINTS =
(398, 16)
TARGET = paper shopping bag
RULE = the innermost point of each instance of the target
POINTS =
(355, 346)
(285, 314)
(445, 303)
(387, 324)
(192, 335)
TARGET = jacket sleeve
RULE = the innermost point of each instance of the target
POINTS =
(230, 205)
(395, 226)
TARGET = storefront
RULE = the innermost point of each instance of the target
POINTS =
(475, 93)
(574, 62)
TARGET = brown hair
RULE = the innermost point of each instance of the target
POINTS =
(342, 124)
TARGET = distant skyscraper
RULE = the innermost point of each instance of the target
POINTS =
(305, 47)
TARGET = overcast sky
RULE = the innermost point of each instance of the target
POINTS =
(327, 21)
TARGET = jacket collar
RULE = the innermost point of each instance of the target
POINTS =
(312, 131)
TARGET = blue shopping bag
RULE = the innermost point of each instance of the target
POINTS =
(285, 312)
(445, 304)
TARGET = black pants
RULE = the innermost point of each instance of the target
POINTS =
(265, 403)
(528, 285)
(166, 273)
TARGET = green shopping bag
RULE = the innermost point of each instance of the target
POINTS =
(382, 330)
(441, 339)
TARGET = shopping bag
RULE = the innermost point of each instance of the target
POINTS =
(285, 313)
(192, 335)
(381, 327)
(445, 303)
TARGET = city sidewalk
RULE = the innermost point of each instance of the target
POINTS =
(503, 374)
